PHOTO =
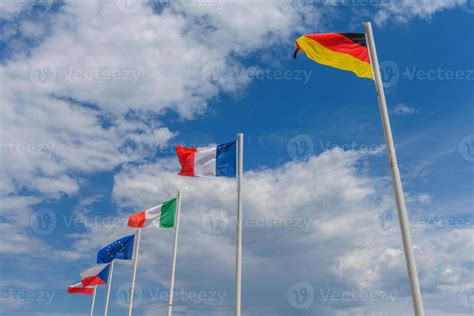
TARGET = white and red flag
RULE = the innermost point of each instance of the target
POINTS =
(80, 289)
(96, 275)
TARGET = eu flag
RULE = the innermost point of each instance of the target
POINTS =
(119, 249)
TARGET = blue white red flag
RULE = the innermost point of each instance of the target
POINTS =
(96, 275)
(213, 161)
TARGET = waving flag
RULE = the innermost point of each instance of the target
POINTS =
(162, 215)
(346, 51)
(214, 161)
(80, 289)
(119, 249)
(96, 275)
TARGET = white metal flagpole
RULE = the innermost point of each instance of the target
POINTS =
(93, 300)
(396, 180)
(109, 287)
(238, 265)
(175, 250)
(134, 270)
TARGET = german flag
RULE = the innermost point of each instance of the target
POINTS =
(346, 51)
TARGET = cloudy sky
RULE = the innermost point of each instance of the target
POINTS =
(95, 95)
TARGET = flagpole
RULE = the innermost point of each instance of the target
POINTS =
(93, 300)
(109, 287)
(134, 271)
(396, 180)
(175, 250)
(238, 268)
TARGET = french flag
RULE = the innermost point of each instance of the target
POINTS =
(96, 275)
(213, 161)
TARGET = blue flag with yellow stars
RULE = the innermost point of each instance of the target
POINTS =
(119, 249)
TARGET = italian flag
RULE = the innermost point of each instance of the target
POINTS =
(162, 215)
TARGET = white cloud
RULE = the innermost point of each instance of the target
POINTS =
(343, 249)
(403, 109)
(405, 10)
(98, 61)
(81, 101)
(89, 94)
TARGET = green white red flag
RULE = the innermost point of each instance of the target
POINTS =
(163, 216)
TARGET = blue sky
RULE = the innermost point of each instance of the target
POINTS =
(95, 95)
